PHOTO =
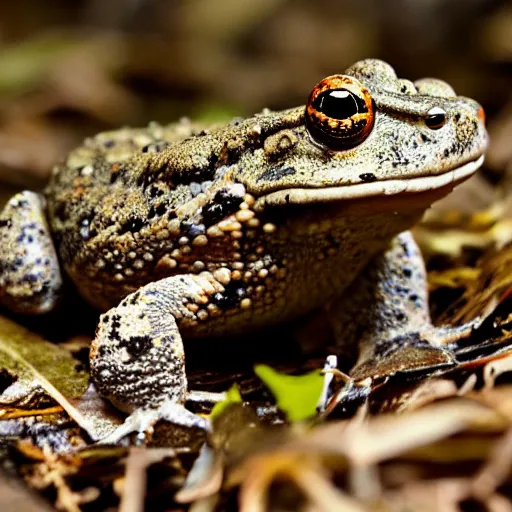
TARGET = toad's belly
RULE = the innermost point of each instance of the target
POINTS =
(313, 267)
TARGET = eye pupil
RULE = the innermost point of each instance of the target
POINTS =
(436, 118)
(340, 113)
(337, 104)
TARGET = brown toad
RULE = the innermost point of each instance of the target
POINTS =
(192, 231)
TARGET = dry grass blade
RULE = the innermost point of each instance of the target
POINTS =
(134, 488)
(493, 285)
(204, 479)
(373, 442)
(496, 470)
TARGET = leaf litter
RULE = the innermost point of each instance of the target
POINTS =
(434, 440)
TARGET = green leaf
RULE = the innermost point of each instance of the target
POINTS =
(232, 397)
(296, 396)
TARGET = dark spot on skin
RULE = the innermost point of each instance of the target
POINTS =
(44, 289)
(424, 138)
(5, 223)
(157, 211)
(198, 175)
(152, 173)
(21, 204)
(224, 203)
(230, 297)
(132, 226)
(155, 147)
(109, 143)
(368, 177)
(136, 345)
(400, 290)
(30, 278)
(60, 211)
(116, 171)
(405, 249)
(446, 153)
(413, 297)
(407, 272)
(114, 328)
(457, 117)
(276, 173)
(155, 191)
(133, 298)
(103, 351)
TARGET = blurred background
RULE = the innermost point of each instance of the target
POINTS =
(71, 69)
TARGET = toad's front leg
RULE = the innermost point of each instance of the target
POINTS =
(30, 278)
(137, 357)
(385, 314)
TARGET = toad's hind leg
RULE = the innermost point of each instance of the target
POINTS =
(30, 278)
(385, 314)
(137, 357)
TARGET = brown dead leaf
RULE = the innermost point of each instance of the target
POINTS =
(33, 364)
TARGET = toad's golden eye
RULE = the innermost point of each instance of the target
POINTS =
(340, 112)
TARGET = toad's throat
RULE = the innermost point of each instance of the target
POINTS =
(377, 189)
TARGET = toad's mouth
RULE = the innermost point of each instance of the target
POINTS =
(430, 186)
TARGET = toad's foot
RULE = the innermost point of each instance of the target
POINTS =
(137, 357)
(30, 278)
(386, 316)
(143, 421)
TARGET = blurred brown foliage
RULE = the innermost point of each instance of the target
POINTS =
(71, 69)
